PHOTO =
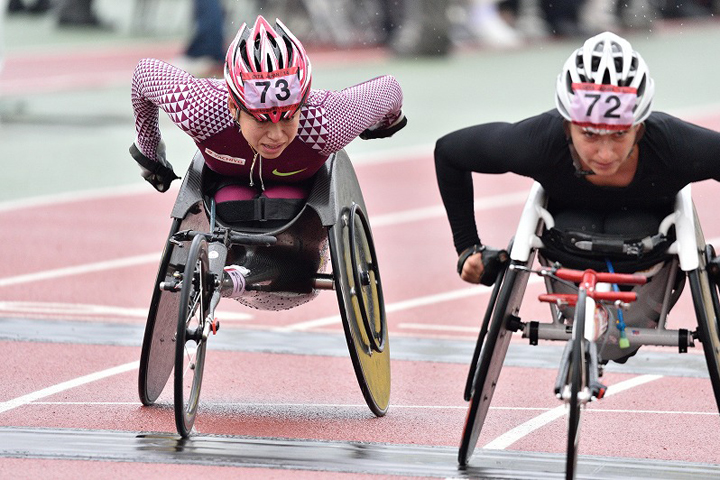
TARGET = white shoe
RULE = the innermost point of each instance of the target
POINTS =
(233, 285)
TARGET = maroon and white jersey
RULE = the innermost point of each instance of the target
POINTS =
(329, 121)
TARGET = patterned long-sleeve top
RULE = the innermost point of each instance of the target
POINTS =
(329, 120)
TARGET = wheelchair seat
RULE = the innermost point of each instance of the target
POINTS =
(630, 241)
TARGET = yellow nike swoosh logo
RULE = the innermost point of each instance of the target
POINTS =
(287, 174)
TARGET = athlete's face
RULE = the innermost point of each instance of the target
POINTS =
(267, 138)
(605, 154)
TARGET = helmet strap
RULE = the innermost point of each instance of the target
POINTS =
(579, 170)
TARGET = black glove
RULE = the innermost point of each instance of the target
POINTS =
(386, 130)
(493, 260)
(713, 268)
(158, 173)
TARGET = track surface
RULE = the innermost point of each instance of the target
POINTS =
(280, 399)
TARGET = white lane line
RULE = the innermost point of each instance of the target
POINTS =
(402, 305)
(81, 269)
(438, 211)
(392, 406)
(517, 433)
(61, 387)
(81, 310)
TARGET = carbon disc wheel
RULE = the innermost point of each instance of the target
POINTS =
(359, 291)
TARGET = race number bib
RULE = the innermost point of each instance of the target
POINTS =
(278, 90)
(603, 106)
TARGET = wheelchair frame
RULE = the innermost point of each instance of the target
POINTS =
(690, 255)
(188, 285)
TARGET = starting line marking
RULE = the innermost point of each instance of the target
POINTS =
(61, 387)
(525, 429)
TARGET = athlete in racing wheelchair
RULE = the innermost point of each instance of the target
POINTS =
(269, 196)
(611, 197)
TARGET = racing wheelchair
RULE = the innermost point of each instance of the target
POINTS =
(326, 244)
(604, 310)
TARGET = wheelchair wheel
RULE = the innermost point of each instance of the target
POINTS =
(705, 300)
(191, 339)
(359, 290)
(492, 357)
(578, 381)
(704, 295)
(156, 357)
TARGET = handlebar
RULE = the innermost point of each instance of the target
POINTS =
(588, 279)
(594, 277)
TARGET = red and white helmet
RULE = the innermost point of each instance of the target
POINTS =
(267, 71)
(605, 85)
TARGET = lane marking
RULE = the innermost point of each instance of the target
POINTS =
(81, 310)
(81, 269)
(525, 429)
(393, 406)
(381, 220)
(61, 387)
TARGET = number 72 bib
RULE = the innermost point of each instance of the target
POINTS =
(603, 106)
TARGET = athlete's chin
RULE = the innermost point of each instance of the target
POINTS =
(271, 152)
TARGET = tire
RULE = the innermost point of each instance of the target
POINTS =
(191, 342)
(705, 300)
(492, 357)
(703, 292)
(360, 298)
(578, 382)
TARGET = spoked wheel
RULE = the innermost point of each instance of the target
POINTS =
(156, 357)
(578, 381)
(705, 300)
(492, 357)
(192, 331)
(359, 290)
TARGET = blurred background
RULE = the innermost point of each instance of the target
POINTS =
(65, 116)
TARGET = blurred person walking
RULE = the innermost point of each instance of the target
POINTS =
(205, 53)
(78, 13)
(18, 6)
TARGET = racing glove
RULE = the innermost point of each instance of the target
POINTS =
(385, 130)
(158, 173)
(493, 260)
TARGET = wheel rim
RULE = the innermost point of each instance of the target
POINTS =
(372, 367)
(366, 275)
(492, 356)
(190, 342)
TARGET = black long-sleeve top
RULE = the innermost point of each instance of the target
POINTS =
(672, 154)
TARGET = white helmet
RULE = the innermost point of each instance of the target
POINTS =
(606, 59)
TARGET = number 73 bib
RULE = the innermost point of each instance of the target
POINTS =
(266, 92)
(604, 107)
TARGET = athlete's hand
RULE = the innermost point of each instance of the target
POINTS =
(158, 173)
(385, 130)
(482, 266)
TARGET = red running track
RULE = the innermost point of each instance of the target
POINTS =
(90, 262)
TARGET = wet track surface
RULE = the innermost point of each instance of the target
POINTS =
(345, 457)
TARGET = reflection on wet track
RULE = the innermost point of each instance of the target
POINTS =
(350, 457)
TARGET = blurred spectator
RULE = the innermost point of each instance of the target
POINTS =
(563, 17)
(78, 13)
(489, 27)
(205, 53)
(421, 27)
(39, 6)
